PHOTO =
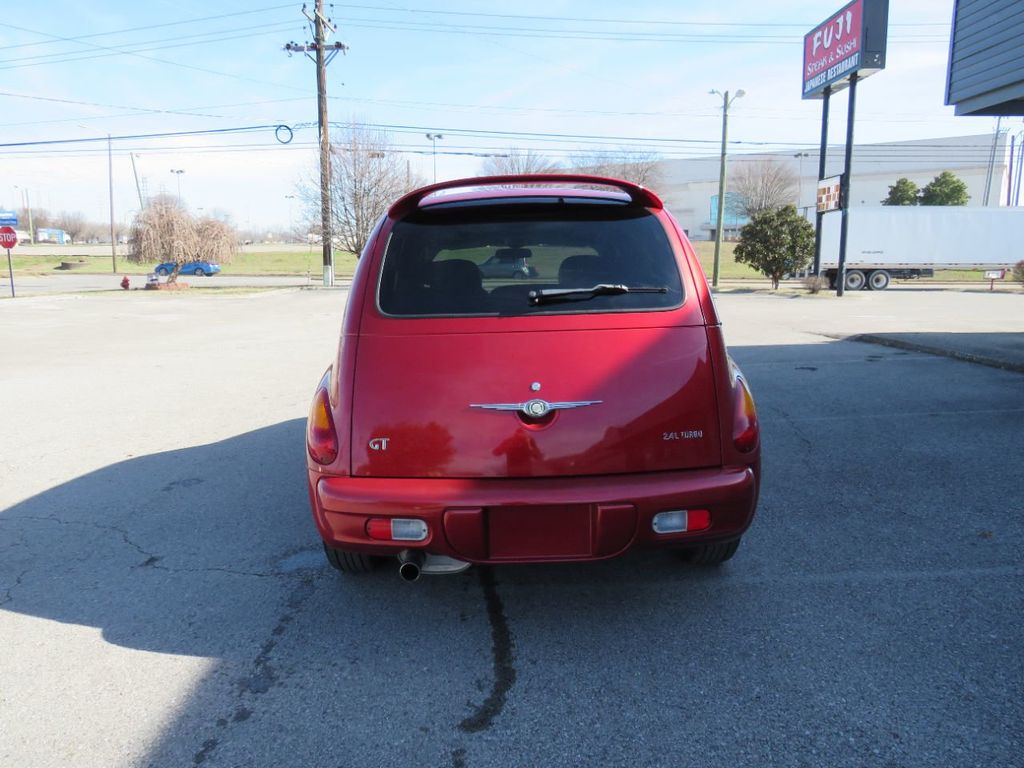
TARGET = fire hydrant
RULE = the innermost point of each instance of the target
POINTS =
(124, 282)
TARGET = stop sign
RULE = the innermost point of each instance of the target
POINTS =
(8, 237)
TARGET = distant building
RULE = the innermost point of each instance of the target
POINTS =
(690, 187)
(57, 236)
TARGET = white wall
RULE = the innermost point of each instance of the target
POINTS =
(687, 186)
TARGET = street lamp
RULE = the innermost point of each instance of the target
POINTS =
(28, 208)
(726, 103)
(178, 172)
(800, 178)
(433, 137)
(291, 220)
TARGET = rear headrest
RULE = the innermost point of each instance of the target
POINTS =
(581, 271)
(456, 276)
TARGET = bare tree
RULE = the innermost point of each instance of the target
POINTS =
(74, 224)
(638, 166)
(517, 162)
(763, 185)
(216, 240)
(165, 232)
(366, 177)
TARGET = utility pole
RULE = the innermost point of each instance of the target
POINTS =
(110, 179)
(321, 26)
(992, 163)
(726, 103)
(138, 189)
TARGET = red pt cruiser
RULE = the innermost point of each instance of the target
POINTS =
(572, 412)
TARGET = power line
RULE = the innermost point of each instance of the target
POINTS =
(149, 58)
(659, 22)
(193, 20)
(149, 45)
(596, 35)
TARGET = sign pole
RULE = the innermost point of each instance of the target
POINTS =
(844, 193)
(819, 215)
(10, 271)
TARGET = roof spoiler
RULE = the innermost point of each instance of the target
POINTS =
(637, 194)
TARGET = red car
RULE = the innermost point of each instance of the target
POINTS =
(573, 415)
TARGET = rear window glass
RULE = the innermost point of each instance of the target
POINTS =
(486, 260)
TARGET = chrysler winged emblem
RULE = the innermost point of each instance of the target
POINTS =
(536, 408)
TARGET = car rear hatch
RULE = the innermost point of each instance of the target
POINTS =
(462, 377)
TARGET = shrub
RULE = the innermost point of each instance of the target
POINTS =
(815, 283)
(1018, 272)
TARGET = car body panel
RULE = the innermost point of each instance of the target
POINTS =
(602, 517)
(654, 387)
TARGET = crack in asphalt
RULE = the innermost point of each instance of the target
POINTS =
(8, 595)
(808, 445)
(152, 559)
(263, 676)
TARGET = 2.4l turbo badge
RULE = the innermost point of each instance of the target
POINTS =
(692, 434)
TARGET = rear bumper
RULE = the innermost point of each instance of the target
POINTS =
(533, 520)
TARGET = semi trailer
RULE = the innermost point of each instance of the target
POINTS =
(907, 242)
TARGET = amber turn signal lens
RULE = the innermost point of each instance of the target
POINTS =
(745, 428)
(321, 438)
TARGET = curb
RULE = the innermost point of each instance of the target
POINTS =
(967, 357)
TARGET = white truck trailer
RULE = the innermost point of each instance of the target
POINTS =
(909, 241)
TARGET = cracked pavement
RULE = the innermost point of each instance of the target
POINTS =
(164, 600)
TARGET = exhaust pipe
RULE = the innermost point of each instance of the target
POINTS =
(410, 563)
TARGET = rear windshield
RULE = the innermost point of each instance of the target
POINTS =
(486, 260)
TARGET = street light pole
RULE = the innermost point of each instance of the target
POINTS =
(178, 172)
(720, 224)
(110, 180)
(433, 137)
(28, 209)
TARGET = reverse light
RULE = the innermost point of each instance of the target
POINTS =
(681, 521)
(321, 437)
(396, 529)
(745, 428)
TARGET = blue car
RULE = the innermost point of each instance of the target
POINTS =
(201, 268)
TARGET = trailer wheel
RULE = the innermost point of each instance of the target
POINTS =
(855, 280)
(878, 280)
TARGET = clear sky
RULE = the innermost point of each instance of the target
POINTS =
(631, 74)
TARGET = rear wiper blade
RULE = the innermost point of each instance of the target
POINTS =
(556, 295)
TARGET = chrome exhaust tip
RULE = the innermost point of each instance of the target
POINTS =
(410, 564)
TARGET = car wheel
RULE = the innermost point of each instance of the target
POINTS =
(198, 272)
(878, 280)
(163, 271)
(518, 275)
(350, 562)
(854, 280)
(711, 554)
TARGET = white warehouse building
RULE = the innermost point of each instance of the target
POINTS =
(689, 187)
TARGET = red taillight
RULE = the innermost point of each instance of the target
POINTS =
(379, 529)
(321, 438)
(698, 519)
(745, 429)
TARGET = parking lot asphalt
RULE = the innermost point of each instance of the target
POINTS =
(164, 602)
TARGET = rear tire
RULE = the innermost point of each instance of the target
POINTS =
(878, 280)
(163, 271)
(350, 562)
(855, 280)
(711, 554)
